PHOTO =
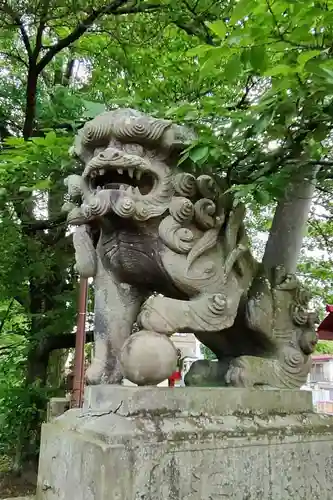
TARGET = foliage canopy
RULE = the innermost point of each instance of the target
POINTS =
(254, 77)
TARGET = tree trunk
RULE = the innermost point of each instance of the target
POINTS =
(56, 369)
(30, 107)
(37, 365)
(289, 224)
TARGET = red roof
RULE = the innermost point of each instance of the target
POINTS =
(325, 329)
(322, 357)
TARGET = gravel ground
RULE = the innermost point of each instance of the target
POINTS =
(12, 486)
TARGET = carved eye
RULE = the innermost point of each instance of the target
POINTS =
(115, 156)
(98, 151)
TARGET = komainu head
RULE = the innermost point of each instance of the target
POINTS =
(127, 159)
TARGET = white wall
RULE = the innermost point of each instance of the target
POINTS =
(320, 395)
(328, 370)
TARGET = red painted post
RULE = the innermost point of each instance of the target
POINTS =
(78, 383)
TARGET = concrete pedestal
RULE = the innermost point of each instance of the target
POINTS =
(131, 443)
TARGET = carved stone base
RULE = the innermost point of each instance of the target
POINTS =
(132, 443)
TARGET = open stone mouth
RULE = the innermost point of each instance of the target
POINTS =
(130, 180)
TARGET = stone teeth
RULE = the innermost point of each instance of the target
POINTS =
(137, 191)
(93, 173)
(98, 188)
(101, 171)
(120, 171)
(138, 174)
(129, 190)
(131, 172)
(122, 187)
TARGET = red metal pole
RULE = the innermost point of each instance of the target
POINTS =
(78, 383)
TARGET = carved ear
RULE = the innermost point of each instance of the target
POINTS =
(259, 311)
(85, 252)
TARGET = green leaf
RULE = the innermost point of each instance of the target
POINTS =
(184, 157)
(258, 58)
(43, 185)
(261, 196)
(93, 109)
(15, 141)
(198, 154)
(214, 60)
(198, 51)
(218, 28)
(242, 8)
(39, 141)
(235, 40)
(321, 132)
(50, 138)
(304, 57)
(263, 122)
(24, 189)
(280, 69)
(232, 68)
(329, 74)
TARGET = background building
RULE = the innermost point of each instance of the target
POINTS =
(320, 379)
(186, 343)
(320, 382)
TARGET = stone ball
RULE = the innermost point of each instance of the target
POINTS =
(148, 358)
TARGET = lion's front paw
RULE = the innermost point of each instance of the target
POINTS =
(153, 316)
(239, 373)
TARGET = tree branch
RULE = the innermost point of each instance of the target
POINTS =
(15, 57)
(144, 7)
(316, 226)
(269, 7)
(40, 29)
(243, 102)
(322, 163)
(18, 22)
(64, 341)
(25, 39)
(33, 226)
(5, 348)
(208, 37)
(193, 30)
(112, 8)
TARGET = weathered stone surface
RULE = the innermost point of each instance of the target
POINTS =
(56, 407)
(144, 226)
(131, 401)
(148, 358)
(234, 453)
